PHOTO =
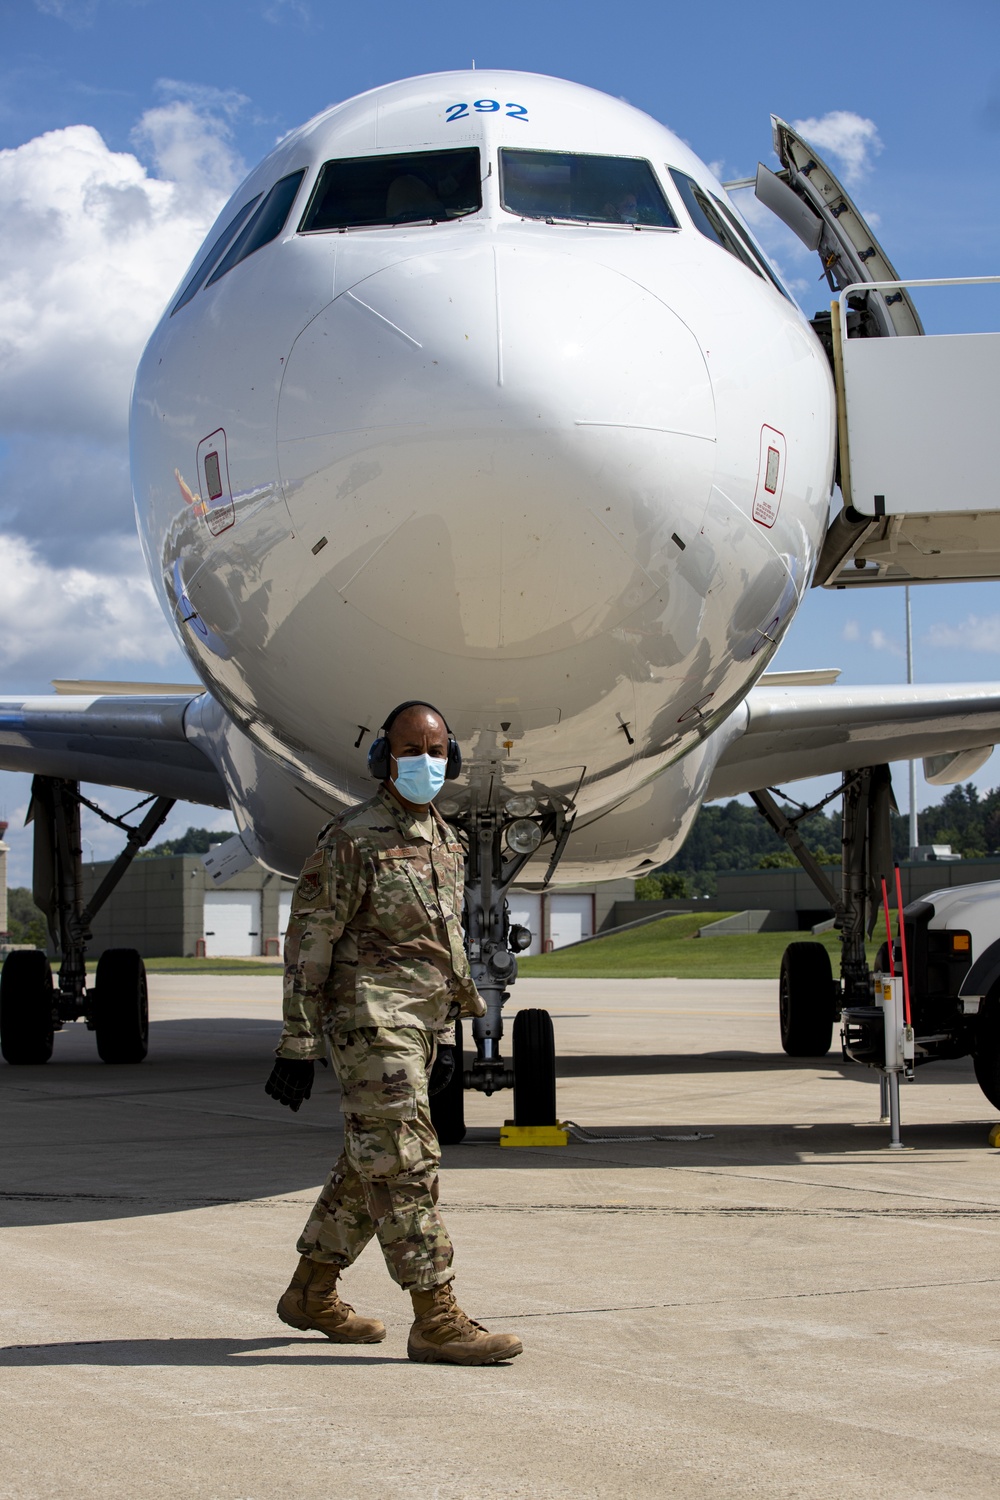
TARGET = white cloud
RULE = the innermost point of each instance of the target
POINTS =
(205, 97)
(297, 11)
(93, 245)
(192, 153)
(83, 621)
(974, 633)
(879, 641)
(851, 138)
(875, 640)
(77, 12)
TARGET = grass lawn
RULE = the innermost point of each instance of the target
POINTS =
(664, 949)
(669, 949)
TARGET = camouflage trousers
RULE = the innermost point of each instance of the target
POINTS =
(385, 1182)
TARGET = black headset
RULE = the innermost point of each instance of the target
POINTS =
(378, 754)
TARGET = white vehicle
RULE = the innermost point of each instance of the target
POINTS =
(953, 957)
(480, 390)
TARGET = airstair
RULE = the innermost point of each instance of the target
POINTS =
(918, 473)
(915, 411)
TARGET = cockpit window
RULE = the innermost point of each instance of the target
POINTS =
(584, 189)
(760, 259)
(708, 217)
(265, 226)
(219, 245)
(364, 192)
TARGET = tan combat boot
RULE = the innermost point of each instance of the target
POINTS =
(443, 1335)
(311, 1301)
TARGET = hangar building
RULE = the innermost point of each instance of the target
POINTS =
(168, 907)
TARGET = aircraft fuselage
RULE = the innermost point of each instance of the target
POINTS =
(564, 476)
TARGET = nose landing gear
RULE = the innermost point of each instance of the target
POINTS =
(497, 850)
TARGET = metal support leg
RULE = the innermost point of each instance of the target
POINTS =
(854, 889)
(58, 877)
(867, 854)
(883, 1098)
(895, 1144)
(786, 829)
(494, 967)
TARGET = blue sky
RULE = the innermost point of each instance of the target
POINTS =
(163, 106)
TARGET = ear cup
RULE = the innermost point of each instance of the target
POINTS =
(379, 752)
(378, 758)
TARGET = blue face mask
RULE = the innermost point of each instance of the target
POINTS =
(420, 777)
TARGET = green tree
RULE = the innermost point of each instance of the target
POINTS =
(665, 886)
(732, 836)
(194, 841)
(25, 922)
(957, 820)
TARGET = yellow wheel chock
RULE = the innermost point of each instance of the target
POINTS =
(533, 1135)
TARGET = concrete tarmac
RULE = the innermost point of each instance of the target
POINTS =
(783, 1309)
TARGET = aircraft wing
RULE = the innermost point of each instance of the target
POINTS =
(129, 740)
(793, 732)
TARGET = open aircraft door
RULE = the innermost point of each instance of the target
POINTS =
(915, 411)
(918, 475)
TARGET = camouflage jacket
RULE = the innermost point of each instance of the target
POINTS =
(375, 933)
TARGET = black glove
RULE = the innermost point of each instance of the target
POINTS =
(291, 1081)
(443, 1070)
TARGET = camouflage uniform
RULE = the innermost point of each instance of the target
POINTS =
(375, 962)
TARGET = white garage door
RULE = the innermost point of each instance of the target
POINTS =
(284, 912)
(570, 919)
(232, 924)
(526, 911)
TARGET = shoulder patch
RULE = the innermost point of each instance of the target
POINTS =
(310, 885)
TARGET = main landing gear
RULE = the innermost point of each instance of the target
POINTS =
(32, 1006)
(810, 999)
(499, 844)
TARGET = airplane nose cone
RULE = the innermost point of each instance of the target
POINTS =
(525, 434)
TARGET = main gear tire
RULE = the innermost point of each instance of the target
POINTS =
(805, 1000)
(448, 1107)
(534, 1068)
(26, 999)
(120, 1010)
(986, 1057)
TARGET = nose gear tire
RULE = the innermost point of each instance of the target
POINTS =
(534, 1068)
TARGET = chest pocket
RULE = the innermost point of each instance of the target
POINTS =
(403, 902)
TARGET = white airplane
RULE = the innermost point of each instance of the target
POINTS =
(480, 390)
